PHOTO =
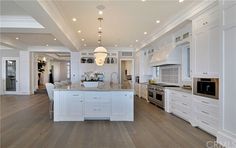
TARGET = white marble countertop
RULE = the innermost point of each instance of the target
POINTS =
(180, 89)
(101, 87)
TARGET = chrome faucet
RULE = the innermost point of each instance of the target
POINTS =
(111, 80)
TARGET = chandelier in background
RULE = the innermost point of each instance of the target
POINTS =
(100, 52)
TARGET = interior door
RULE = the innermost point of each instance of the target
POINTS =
(10, 75)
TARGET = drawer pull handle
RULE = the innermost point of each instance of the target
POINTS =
(205, 102)
(205, 122)
(75, 95)
(184, 112)
(185, 104)
(205, 112)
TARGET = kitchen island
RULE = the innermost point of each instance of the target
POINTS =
(75, 102)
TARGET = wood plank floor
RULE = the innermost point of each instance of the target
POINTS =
(25, 124)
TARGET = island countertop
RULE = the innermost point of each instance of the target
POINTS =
(101, 87)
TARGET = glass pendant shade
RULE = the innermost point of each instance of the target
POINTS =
(100, 53)
(99, 61)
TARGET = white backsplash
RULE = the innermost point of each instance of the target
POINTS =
(170, 74)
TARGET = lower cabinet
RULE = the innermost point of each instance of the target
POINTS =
(122, 106)
(93, 105)
(68, 106)
(181, 104)
(144, 91)
(199, 111)
(206, 114)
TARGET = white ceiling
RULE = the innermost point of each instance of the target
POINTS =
(124, 21)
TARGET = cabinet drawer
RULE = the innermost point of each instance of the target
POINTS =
(207, 109)
(95, 109)
(182, 108)
(98, 98)
(204, 100)
(182, 114)
(72, 94)
(206, 120)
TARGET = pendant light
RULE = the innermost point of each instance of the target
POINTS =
(100, 52)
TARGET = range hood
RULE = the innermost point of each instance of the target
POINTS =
(167, 55)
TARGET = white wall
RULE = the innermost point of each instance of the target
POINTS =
(63, 70)
(6, 53)
(60, 70)
(75, 61)
(25, 64)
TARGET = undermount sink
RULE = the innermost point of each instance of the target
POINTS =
(90, 83)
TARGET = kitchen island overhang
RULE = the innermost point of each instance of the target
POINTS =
(107, 102)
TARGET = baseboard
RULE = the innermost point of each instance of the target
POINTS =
(226, 139)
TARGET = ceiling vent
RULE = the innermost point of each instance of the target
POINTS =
(127, 54)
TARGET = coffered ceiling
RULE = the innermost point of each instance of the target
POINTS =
(124, 21)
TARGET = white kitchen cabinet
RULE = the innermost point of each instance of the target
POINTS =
(180, 104)
(144, 91)
(137, 63)
(137, 88)
(93, 105)
(206, 112)
(120, 106)
(97, 105)
(206, 44)
(70, 105)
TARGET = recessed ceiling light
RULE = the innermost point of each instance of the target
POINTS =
(46, 44)
(55, 39)
(82, 39)
(99, 35)
(100, 12)
(99, 28)
(85, 44)
(143, 0)
(116, 45)
(17, 38)
(158, 21)
(180, 1)
(145, 33)
(74, 19)
(136, 40)
(79, 31)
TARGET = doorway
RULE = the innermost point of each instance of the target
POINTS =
(126, 71)
(10, 75)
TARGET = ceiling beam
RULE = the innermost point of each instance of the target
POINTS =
(48, 15)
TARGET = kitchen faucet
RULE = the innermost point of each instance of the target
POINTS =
(111, 80)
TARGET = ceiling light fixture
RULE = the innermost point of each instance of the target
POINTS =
(116, 45)
(17, 38)
(79, 31)
(74, 19)
(46, 44)
(180, 1)
(158, 21)
(100, 12)
(136, 40)
(85, 45)
(55, 39)
(100, 52)
(145, 33)
(82, 40)
(99, 28)
(143, 0)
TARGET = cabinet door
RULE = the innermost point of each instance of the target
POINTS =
(201, 52)
(74, 101)
(122, 106)
(214, 51)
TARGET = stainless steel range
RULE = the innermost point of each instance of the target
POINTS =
(156, 93)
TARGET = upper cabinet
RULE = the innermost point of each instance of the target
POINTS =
(206, 44)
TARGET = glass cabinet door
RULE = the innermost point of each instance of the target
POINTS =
(11, 75)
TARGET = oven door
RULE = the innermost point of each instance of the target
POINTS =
(160, 98)
(151, 94)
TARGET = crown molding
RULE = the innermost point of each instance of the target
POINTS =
(8, 21)
(175, 21)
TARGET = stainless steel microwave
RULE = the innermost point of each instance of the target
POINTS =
(207, 87)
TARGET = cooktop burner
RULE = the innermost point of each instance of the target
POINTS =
(165, 85)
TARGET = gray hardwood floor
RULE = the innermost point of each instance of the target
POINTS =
(25, 124)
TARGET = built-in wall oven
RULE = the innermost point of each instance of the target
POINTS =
(207, 87)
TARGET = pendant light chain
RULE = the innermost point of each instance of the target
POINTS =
(100, 32)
